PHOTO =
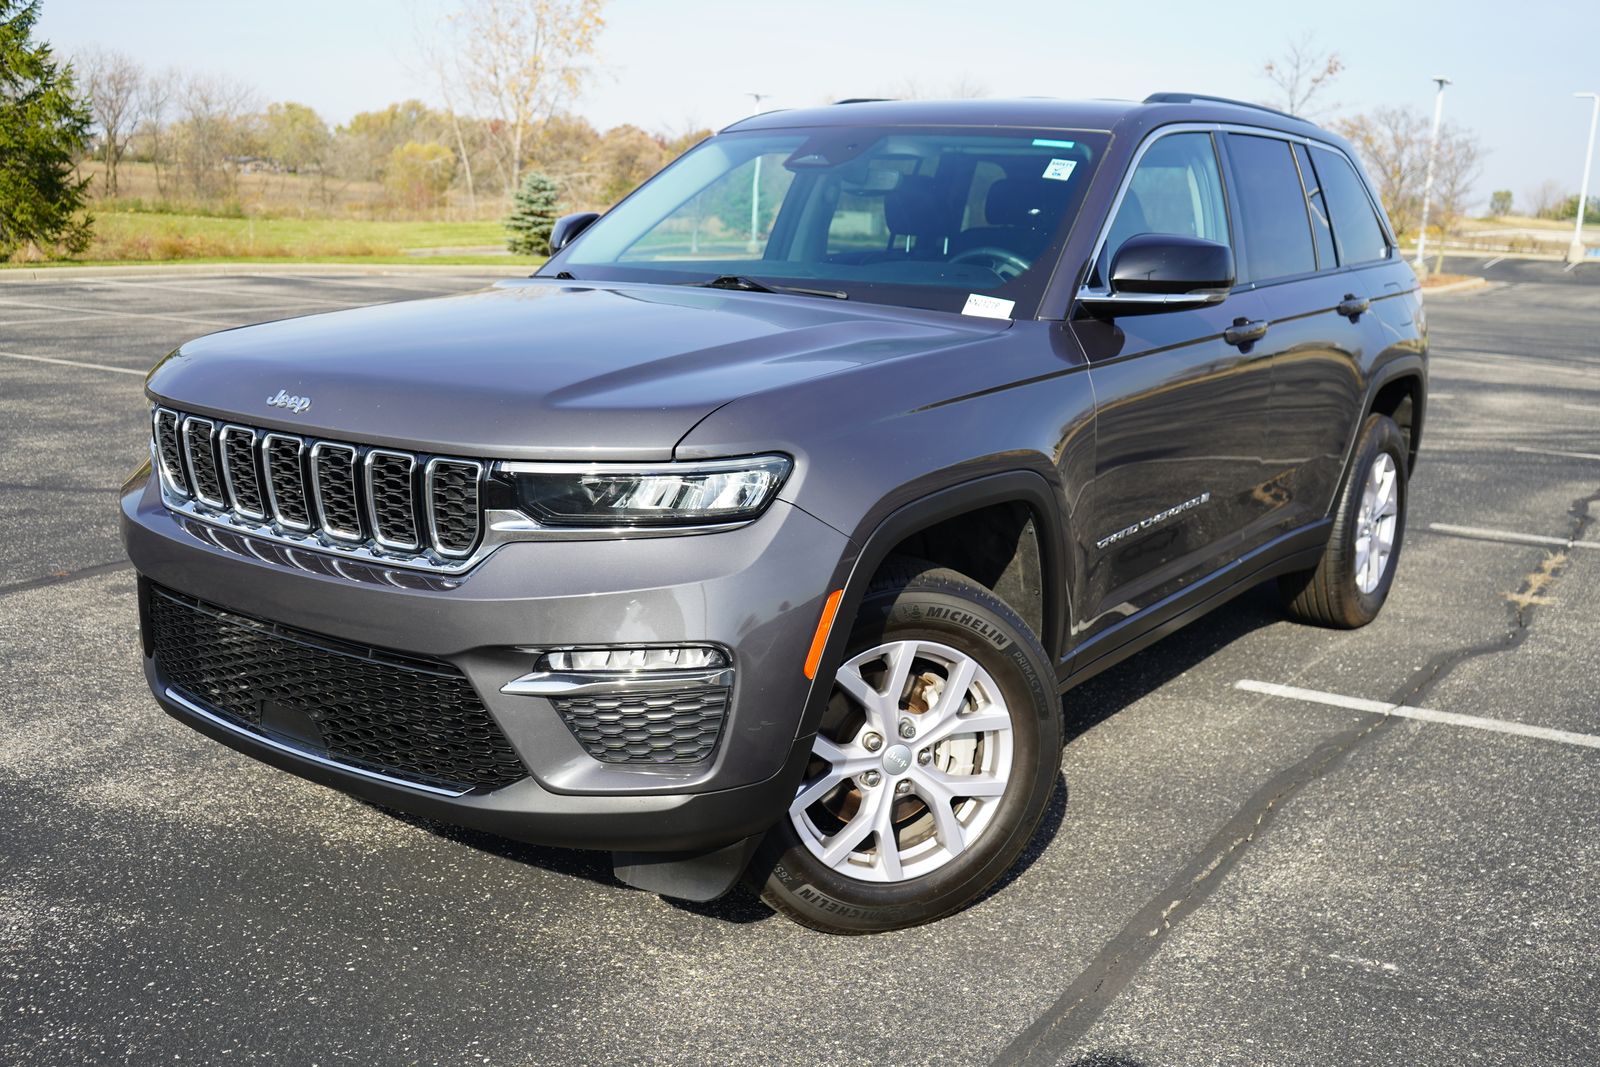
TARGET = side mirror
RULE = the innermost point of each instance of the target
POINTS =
(568, 227)
(1154, 271)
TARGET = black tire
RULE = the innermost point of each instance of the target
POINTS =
(910, 600)
(1329, 594)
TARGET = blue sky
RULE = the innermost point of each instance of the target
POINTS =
(672, 64)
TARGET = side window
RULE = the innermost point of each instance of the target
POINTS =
(1176, 189)
(1277, 236)
(1356, 229)
(1320, 229)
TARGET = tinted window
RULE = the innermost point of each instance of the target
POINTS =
(1320, 230)
(1175, 189)
(1355, 226)
(1277, 237)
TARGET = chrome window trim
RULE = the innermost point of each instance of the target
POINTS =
(272, 496)
(372, 505)
(322, 761)
(350, 536)
(189, 422)
(227, 470)
(1101, 294)
(427, 506)
(174, 482)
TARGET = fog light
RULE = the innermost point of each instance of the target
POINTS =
(679, 658)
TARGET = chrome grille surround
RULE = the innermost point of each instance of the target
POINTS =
(457, 482)
(317, 494)
(392, 498)
(286, 481)
(240, 475)
(201, 461)
(333, 486)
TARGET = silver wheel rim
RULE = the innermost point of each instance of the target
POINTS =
(1377, 522)
(919, 778)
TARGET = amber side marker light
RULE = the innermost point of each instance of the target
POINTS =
(825, 624)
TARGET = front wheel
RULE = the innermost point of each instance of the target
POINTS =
(935, 758)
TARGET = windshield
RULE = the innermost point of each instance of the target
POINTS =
(912, 216)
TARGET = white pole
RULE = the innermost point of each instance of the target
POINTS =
(1575, 253)
(1427, 183)
(755, 179)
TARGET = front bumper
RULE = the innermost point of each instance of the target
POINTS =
(758, 591)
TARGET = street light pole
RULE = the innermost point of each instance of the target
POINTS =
(1575, 253)
(1427, 183)
(755, 179)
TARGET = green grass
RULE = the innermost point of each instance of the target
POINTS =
(139, 237)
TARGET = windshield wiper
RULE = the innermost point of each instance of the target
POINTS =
(746, 284)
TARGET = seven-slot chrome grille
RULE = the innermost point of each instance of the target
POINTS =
(402, 507)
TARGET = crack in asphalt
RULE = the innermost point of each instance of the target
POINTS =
(1086, 999)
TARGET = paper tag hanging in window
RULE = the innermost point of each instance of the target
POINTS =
(1060, 170)
(988, 307)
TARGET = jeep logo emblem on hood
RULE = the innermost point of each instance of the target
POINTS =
(296, 404)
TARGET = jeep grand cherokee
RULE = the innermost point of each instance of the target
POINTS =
(760, 532)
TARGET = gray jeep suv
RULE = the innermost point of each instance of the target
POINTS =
(760, 532)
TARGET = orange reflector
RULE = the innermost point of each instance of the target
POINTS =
(824, 626)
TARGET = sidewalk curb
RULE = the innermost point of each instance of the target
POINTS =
(24, 275)
(1463, 286)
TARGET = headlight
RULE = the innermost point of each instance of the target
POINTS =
(665, 494)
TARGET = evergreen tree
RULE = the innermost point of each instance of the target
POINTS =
(533, 213)
(43, 125)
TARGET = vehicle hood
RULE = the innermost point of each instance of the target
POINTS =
(539, 369)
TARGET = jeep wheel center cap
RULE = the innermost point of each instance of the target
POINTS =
(896, 759)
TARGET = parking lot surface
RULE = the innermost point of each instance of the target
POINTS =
(1255, 863)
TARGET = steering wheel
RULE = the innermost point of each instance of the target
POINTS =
(1002, 261)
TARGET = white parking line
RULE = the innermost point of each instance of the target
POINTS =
(1583, 407)
(219, 290)
(73, 363)
(113, 314)
(1512, 537)
(1555, 452)
(1441, 396)
(1402, 711)
(1489, 263)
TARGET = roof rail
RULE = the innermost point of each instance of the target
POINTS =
(1194, 98)
(865, 100)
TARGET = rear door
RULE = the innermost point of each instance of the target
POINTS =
(1180, 411)
(1316, 339)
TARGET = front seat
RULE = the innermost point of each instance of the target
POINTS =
(1021, 215)
(913, 209)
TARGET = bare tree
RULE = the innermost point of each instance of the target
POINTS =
(211, 133)
(1547, 198)
(1393, 144)
(517, 62)
(1456, 170)
(115, 83)
(157, 93)
(1300, 74)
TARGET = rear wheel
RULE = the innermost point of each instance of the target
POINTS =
(934, 761)
(1348, 586)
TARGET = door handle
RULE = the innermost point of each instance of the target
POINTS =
(1352, 305)
(1244, 331)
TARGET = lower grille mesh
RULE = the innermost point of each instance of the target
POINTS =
(674, 727)
(412, 719)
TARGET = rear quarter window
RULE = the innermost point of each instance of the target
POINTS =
(1356, 229)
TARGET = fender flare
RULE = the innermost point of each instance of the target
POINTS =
(1026, 487)
(1407, 366)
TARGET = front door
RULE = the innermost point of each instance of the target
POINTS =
(1180, 485)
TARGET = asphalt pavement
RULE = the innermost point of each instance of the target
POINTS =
(1256, 864)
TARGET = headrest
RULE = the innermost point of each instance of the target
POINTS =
(912, 206)
(1024, 202)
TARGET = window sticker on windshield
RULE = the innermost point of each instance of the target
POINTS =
(1060, 169)
(989, 307)
(1045, 142)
